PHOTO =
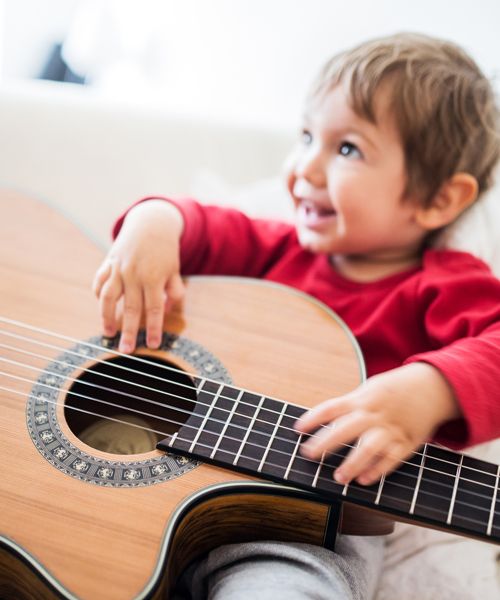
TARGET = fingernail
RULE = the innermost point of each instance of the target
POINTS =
(340, 477)
(153, 342)
(307, 451)
(125, 347)
(301, 423)
(363, 480)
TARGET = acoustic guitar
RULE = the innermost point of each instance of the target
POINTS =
(117, 471)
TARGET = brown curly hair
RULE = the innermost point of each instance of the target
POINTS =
(443, 105)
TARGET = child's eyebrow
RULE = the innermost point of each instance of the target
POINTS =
(346, 131)
(307, 122)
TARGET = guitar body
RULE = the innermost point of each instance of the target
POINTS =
(98, 532)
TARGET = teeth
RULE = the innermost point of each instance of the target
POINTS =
(310, 208)
(326, 212)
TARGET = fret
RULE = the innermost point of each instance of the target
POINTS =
(285, 460)
(248, 431)
(202, 430)
(419, 479)
(454, 493)
(380, 488)
(303, 471)
(292, 458)
(189, 431)
(436, 484)
(199, 382)
(326, 482)
(474, 497)
(330, 463)
(206, 417)
(493, 504)
(366, 493)
(346, 486)
(495, 513)
(235, 427)
(320, 464)
(226, 424)
(282, 449)
(271, 439)
(398, 489)
(353, 490)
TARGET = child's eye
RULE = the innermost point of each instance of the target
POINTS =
(306, 137)
(349, 150)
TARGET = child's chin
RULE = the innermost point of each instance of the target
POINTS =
(315, 243)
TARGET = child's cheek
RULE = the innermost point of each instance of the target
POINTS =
(290, 179)
(289, 170)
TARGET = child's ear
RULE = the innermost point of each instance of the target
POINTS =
(454, 196)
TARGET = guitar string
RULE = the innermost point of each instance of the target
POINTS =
(171, 421)
(295, 470)
(178, 371)
(195, 402)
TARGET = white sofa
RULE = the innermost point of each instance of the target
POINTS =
(91, 157)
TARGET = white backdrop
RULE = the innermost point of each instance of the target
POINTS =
(245, 60)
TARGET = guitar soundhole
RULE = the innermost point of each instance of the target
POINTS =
(123, 406)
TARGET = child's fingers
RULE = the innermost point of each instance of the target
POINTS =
(323, 413)
(101, 276)
(109, 294)
(362, 458)
(154, 306)
(393, 456)
(344, 430)
(175, 291)
(132, 307)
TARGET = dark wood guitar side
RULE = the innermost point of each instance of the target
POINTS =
(79, 521)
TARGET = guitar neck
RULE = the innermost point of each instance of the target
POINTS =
(254, 434)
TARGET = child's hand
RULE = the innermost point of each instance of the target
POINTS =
(143, 268)
(391, 414)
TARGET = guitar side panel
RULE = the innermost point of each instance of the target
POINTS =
(223, 513)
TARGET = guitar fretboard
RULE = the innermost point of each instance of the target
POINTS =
(254, 434)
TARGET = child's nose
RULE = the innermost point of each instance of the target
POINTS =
(312, 168)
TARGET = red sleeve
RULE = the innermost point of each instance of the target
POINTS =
(225, 241)
(462, 319)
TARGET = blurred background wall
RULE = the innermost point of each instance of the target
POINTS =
(244, 60)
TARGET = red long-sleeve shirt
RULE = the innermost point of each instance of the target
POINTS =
(445, 312)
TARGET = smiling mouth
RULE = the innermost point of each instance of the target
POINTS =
(313, 215)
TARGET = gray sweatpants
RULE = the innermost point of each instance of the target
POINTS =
(284, 571)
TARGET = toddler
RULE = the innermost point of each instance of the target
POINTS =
(399, 137)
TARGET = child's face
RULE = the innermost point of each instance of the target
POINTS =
(347, 180)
